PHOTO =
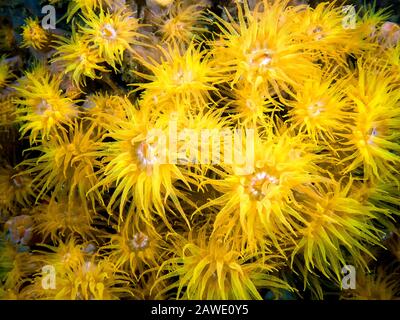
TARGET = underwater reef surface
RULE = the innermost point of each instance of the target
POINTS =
(184, 149)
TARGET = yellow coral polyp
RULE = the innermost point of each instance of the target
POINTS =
(5, 72)
(320, 107)
(62, 217)
(85, 6)
(94, 280)
(7, 112)
(261, 51)
(15, 266)
(111, 33)
(183, 23)
(200, 138)
(184, 77)
(101, 109)
(371, 144)
(330, 28)
(135, 248)
(34, 35)
(68, 254)
(67, 163)
(376, 285)
(261, 203)
(79, 276)
(134, 164)
(369, 22)
(208, 268)
(15, 190)
(249, 105)
(78, 57)
(334, 220)
(42, 105)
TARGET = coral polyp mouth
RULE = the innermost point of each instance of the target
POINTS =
(139, 241)
(108, 32)
(365, 136)
(145, 153)
(261, 58)
(43, 107)
(258, 184)
(317, 32)
(183, 77)
(18, 182)
(315, 109)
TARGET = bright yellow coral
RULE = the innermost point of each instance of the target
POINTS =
(136, 247)
(42, 106)
(67, 163)
(259, 199)
(183, 77)
(136, 163)
(111, 33)
(330, 29)
(200, 150)
(334, 220)
(79, 276)
(102, 108)
(208, 268)
(371, 144)
(260, 50)
(34, 35)
(249, 105)
(84, 5)
(320, 107)
(182, 23)
(78, 58)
